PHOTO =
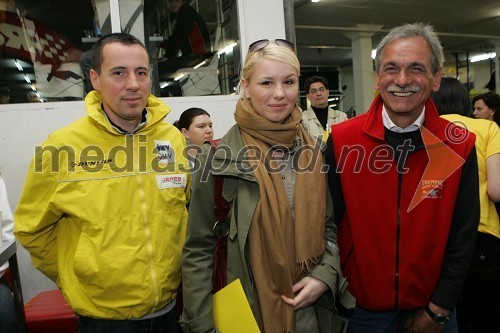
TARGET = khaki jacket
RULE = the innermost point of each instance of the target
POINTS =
(241, 189)
(313, 126)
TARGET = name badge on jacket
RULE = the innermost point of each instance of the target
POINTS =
(171, 181)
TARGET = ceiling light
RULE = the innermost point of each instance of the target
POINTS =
(18, 65)
(26, 78)
(483, 56)
(315, 0)
(200, 64)
(178, 77)
(163, 84)
(228, 48)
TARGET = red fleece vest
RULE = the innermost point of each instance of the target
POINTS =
(391, 257)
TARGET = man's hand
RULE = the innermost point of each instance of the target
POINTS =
(306, 292)
(421, 322)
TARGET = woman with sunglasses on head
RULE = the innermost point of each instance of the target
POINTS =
(282, 238)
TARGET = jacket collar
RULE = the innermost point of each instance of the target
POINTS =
(229, 158)
(374, 125)
(156, 111)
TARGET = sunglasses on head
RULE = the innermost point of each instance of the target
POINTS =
(260, 44)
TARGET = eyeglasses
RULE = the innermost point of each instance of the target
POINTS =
(262, 43)
(313, 91)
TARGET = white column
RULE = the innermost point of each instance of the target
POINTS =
(497, 67)
(260, 19)
(132, 18)
(363, 72)
(115, 15)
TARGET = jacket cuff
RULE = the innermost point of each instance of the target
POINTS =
(201, 324)
(327, 275)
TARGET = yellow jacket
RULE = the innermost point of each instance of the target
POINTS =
(104, 214)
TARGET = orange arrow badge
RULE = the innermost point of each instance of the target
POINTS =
(443, 162)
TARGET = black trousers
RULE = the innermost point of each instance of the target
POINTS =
(481, 293)
(166, 323)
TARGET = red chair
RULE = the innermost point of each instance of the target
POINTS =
(48, 312)
(6, 274)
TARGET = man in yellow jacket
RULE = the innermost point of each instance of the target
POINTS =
(103, 209)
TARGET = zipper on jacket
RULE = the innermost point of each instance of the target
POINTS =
(147, 230)
(398, 227)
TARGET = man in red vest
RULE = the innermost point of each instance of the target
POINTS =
(406, 195)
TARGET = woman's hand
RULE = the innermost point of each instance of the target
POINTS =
(306, 292)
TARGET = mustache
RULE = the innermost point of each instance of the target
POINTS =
(408, 89)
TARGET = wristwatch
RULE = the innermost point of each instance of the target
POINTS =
(439, 319)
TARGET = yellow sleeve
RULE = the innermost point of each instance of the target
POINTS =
(36, 215)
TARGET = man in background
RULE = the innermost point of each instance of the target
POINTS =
(319, 117)
(190, 35)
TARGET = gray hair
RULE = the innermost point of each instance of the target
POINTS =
(405, 31)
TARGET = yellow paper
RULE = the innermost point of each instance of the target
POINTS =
(232, 312)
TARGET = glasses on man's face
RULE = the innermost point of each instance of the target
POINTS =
(313, 91)
(260, 44)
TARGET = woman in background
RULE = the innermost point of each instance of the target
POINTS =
(196, 126)
(487, 106)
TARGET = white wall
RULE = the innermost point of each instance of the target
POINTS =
(22, 126)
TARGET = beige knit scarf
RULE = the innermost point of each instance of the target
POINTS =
(283, 249)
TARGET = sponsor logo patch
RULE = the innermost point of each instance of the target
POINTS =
(166, 153)
(171, 181)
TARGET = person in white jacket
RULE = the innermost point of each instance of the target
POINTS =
(319, 117)
(7, 321)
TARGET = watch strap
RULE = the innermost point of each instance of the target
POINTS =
(439, 319)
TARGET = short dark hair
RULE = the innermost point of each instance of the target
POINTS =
(117, 37)
(452, 97)
(492, 100)
(186, 118)
(313, 79)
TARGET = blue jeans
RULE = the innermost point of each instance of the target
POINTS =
(362, 321)
(162, 324)
(7, 310)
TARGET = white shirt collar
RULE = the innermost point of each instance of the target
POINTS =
(389, 124)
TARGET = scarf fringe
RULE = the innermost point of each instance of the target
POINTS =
(305, 267)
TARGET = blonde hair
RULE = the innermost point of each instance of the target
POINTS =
(273, 52)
